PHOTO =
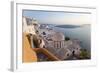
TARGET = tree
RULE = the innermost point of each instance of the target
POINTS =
(84, 54)
(67, 38)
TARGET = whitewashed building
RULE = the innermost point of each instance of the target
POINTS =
(54, 41)
(30, 25)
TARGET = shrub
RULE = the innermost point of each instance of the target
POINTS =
(84, 54)
(67, 38)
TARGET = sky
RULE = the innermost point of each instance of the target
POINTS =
(51, 17)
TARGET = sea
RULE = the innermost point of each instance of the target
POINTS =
(80, 32)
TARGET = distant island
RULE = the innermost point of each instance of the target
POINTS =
(71, 26)
(68, 26)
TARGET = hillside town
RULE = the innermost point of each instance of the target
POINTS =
(42, 36)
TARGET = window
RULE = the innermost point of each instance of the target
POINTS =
(67, 54)
(73, 52)
(44, 33)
